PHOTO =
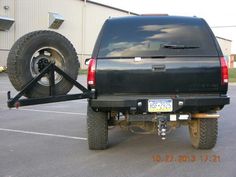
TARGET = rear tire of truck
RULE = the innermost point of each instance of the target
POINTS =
(97, 129)
(32, 52)
(203, 133)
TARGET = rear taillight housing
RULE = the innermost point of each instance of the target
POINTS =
(224, 71)
(91, 79)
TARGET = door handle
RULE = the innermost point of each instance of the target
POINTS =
(159, 68)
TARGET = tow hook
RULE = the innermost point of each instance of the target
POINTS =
(162, 127)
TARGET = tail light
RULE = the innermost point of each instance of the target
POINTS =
(224, 71)
(91, 79)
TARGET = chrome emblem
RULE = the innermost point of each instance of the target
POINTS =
(137, 59)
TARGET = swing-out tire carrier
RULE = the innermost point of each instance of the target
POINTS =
(49, 99)
(50, 69)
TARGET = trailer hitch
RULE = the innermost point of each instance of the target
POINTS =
(50, 70)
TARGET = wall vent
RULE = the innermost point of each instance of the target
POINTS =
(6, 23)
(55, 20)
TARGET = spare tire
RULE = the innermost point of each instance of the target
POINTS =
(30, 51)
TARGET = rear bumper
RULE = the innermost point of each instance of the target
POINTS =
(140, 104)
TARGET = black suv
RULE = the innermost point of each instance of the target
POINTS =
(154, 73)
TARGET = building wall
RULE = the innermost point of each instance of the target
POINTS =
(225, 45)
(232, 61)
(94, 17)
(82, 23)
(6, 37)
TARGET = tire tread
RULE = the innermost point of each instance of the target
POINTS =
(97, 130)
(15, 57)
(208, 133)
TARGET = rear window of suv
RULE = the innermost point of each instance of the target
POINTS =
(156, 36)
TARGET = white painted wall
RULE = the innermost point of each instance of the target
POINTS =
(82, 24)
(6, 37)
(225, 46)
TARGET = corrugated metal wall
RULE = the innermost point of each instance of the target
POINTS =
(81, 26)
(95, 17)
(225, 46)
(33, 15)
(6, 37)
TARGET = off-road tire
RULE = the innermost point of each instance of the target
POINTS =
(97, 129)
(206, 135)
(18, 62)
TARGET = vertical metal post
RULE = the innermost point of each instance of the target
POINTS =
(52, 80)
(8, 95)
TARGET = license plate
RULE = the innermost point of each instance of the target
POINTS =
(160, 105)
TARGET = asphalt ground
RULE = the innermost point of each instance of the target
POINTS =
(50, 140)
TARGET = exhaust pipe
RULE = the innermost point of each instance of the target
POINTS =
(205, 116)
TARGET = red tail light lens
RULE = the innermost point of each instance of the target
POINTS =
(224, 71)
(91, 80)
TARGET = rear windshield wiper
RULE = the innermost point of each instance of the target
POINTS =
(172, 46)
(132, 57)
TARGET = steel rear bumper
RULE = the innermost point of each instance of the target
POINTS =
(135, 103)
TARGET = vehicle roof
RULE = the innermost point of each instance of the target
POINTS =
(155, 17)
